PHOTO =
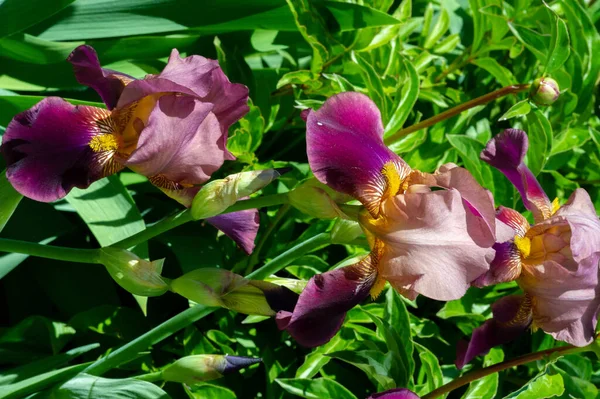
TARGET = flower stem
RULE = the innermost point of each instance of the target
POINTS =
(150, 377)
(186, 216)
(477, 374)
(49, 251)
(513, 89)
(130, 350)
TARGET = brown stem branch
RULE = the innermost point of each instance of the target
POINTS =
(513, 89)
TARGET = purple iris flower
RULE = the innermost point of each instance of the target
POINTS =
(423, 241)
(171, 127)
(396, 393)
(555, 261)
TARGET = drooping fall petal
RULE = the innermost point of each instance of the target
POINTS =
(323, 304)
(505, 267)
(396, 393)
(505, 152)
(511, 317)
(55, 146)
(241, 227)
(109, 84)
(345, 150)
(428, 246)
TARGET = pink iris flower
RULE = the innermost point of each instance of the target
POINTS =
(555, 261)
(396, 393)
(430, 234)
(171, 127)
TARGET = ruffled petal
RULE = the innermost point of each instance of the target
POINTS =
(478, 200)
(565, 302)
(241, 227)
(428, 247)
(511, 317)
(55, 146)
(345, 149)
(323, 304)
(505, 267)
(396, 393)
(514, 220)
(109, 84)
(505, 152)
(182, 142)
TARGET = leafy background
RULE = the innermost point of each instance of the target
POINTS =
(415, 60)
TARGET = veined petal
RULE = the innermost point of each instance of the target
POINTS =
(55, 146)
(323, 304)
(505, 152)
(512, 316)
(241, 227)
(396, 393)
(478, 200)
(514, 220)
(182, 142)
(107, 83)
(427, 245)
(565, 302)
(505, 267)
(346, 151)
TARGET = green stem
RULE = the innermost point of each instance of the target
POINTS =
(191, 315)
(131, 349)
(477, 374)
(186, 216)
(49, 251)
(150, 377)
(513, 89)
(253, 260)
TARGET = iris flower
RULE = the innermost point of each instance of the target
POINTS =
(555, 261)
(396, 393)
(423, 241)
(171, 127)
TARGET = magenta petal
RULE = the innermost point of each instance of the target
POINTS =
(240, 226)
(566, 303)
(323, 304)
(182, 142)
(396, 393)
(427, 244)
(505, 152)
(345, 148)
(109, 84)
(47, 150)
(512, 316)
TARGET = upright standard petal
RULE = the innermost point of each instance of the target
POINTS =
(181, 144)
(428, 248)
(109, 84)
(511, 317)
(55, 146)
(323, 304)
(505, 152)
(565, 302)
(345, 149)
(241, 227)
(396, 393)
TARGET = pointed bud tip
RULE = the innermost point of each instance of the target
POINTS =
(235, 363)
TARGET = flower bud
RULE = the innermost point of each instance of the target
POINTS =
(136, 275)
(191, 370)
(218, 287)
(316, 199)
(544, 91)
(218, 195)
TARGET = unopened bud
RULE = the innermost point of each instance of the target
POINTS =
(544, 91)
(316, 199)
(136, 275)
(191, 370)
(218, 195)
(218, 287)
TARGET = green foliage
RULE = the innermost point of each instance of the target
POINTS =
(415, 59)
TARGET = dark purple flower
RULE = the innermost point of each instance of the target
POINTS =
(396, 393)
(322, 306)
